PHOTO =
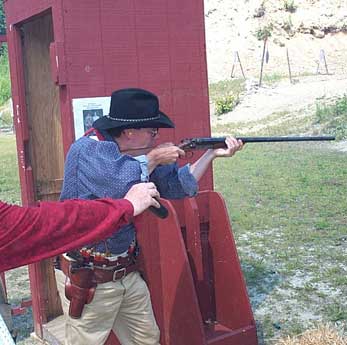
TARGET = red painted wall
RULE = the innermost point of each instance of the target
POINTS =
(103, 45)
(109, 44)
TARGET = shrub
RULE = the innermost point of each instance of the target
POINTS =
(288, 25)
(264, 33)
(224, 88)
(226, 104)
(6, 119)
(260, 12)
(5, 85)
(289, 6)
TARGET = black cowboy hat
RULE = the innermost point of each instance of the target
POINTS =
(133, 108)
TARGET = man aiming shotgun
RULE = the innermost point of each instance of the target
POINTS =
(119, 151)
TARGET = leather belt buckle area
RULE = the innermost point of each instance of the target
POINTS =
(119, 274)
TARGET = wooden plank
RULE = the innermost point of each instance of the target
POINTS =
(44, 147)
(49, 188)
(42, 95)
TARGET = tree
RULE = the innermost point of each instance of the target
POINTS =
(5, 88)
(2, 19)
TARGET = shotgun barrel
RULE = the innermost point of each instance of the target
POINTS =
(219, 142)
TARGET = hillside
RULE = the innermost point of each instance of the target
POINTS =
(312, 25)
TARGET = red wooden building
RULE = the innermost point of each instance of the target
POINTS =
(66, 57)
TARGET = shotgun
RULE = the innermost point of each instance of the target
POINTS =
(219, 142)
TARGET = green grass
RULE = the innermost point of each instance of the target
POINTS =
(9, 181)
(224, 88)
(290, 6)
(287, 204)
(274, 78)
(280, 123)
(289, 216)
(332, 116)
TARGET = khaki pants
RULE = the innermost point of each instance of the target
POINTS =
(123, 306)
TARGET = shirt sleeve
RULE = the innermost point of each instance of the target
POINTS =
(104, 172)
(30, 234)
(174, 182)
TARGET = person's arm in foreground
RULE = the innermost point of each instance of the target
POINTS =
(30, 234)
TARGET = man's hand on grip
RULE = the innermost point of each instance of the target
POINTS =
(142, 196)
(163, 154)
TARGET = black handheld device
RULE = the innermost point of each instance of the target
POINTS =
(161, 212)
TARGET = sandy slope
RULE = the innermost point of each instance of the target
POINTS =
(231, 26)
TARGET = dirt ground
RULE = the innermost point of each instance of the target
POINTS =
(258, 103)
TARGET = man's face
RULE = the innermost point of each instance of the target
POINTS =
(141, 137)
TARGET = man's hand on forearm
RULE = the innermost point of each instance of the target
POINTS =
(233, 145)
(142, 196)
(198, 169)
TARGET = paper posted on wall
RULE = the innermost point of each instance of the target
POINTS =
(86, 111)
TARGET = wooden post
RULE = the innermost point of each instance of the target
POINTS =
(232, 69)
(325, 61)
(322, 59)
(289, 70)
(262, 63)
(237, 58)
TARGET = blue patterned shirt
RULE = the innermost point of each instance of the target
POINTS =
(97, 169)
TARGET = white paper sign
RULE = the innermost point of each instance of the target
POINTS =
(86, 111)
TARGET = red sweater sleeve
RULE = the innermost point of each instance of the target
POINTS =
(30, 234)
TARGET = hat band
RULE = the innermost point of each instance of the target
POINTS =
(134, 120)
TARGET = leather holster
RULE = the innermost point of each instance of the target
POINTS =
(80, 287)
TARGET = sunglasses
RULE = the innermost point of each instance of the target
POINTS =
(152, 131)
